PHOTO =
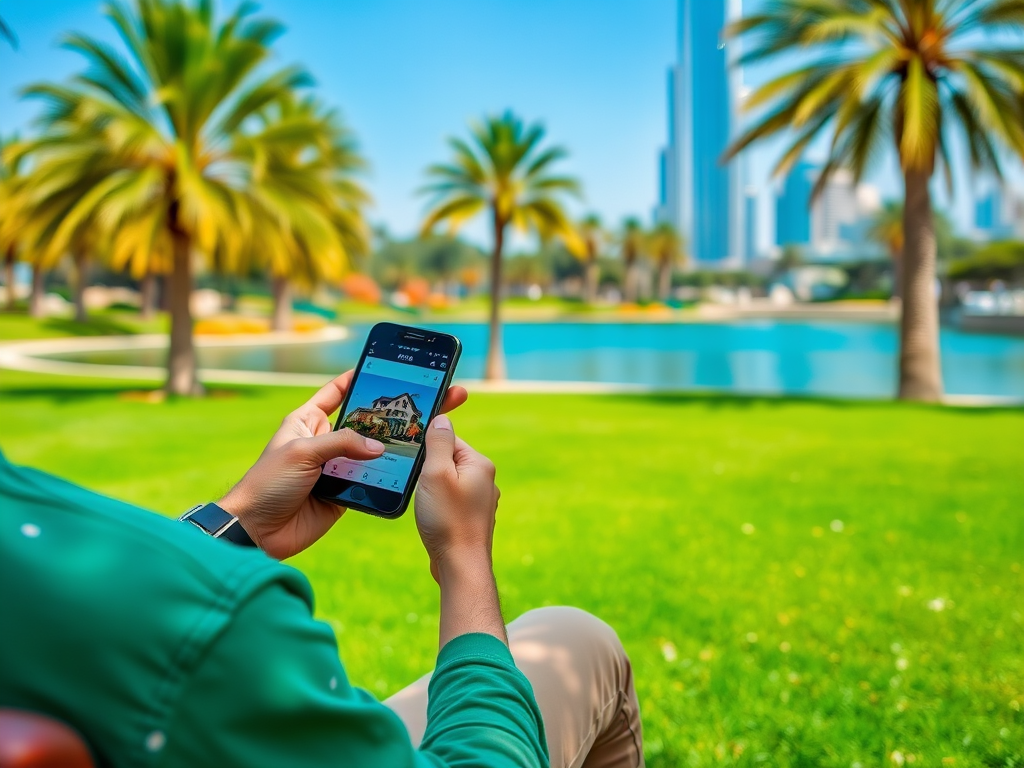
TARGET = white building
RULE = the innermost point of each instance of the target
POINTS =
(840, 216)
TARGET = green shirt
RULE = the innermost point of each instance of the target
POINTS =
(166, 647)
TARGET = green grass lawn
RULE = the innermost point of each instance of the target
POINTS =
(108, 322)
(799, 583)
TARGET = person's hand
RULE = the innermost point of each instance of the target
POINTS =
(456, 501)
(273, 503)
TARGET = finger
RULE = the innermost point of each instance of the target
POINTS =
(333, 445)
(464, 452)
(467, 456)
(329, 398)
(305, 422)
(455, 397)
(440, 443)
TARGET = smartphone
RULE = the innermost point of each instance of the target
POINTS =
(399, 385)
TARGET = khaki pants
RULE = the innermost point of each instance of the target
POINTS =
(583, 682)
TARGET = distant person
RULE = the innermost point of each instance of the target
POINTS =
(163, 646)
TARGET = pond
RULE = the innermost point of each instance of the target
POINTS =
(756, 356)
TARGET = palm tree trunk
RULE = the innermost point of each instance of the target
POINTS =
(181, 360)
(148, 299)
(35, 302)
(665, 280)
(81, 281)
(280, 287)
(920, 373)
(494, 367)
(632, 282)
(897, 275)
(593, 275)
(9, 276)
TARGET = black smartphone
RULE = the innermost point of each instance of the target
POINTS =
(399, 385)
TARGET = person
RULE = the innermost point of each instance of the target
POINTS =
(165, 646)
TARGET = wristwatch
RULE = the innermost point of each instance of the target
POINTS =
(213, 520)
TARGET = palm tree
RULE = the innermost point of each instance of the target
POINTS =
(306, 201)
(504, 171)
(18, 224)
(67, 163)
(633, 242)
(594, 238)
(901, 73)
(10, 226)
(169, 119)
(666, 245)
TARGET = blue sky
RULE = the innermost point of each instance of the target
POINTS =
(408, 73)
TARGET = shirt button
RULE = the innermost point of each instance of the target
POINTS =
(155, 741)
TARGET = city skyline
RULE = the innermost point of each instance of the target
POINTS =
(751, 205)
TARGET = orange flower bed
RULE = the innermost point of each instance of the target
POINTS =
(228, 325)
(225, 325)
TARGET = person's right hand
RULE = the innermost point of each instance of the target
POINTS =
(456, 500)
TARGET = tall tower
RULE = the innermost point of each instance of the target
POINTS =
(701, 197)
(793, 205)
(668, 163)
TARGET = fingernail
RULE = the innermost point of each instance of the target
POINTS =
(374, 445)
(442, 422)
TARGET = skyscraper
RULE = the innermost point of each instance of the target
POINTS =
(986, 212)
(668, 163)
(999, 214)
(749, 223)
(701, 197)
(793, 206)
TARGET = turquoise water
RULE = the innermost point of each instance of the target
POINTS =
(769, 357)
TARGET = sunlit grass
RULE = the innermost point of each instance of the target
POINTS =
(799, 583)
(107, 322)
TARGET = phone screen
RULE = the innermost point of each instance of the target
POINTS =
(395, 391)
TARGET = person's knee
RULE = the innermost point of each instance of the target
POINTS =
(574, 628)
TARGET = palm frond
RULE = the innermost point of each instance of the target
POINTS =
(503, 167)
(109, 72)
(455, 211)
(913, 68)
(918, 116)
(6, 33)
(998, 107)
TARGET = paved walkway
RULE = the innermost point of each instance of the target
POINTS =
(31, 356)
(26, 356)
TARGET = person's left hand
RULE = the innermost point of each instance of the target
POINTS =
(273, 503)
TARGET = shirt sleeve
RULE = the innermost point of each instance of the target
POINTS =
(271, 691)
(481, 709)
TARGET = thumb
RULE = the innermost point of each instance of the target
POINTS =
(440, 444)
(333, 445)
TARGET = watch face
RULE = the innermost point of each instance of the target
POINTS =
(217, 523)
(210, 518)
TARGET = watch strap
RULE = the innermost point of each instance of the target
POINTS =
(220, 524)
